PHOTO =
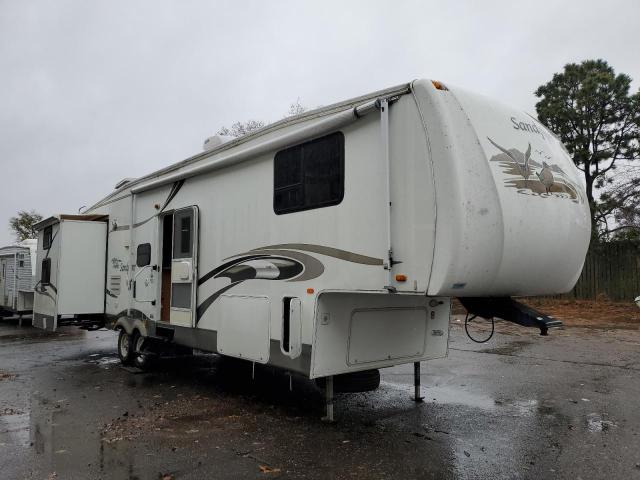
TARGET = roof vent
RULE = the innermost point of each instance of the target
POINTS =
(123, 182)
(215, 141)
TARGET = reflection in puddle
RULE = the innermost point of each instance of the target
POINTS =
(462, 396)
(14, 429)
(103, 360)
(595, 423)
(57, 444)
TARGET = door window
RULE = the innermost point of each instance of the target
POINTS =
(183, 234)
(143, 255)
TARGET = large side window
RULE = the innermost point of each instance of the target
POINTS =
(45, 274)
(47, 237)
(309, 175)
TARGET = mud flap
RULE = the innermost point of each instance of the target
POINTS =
(510, 310)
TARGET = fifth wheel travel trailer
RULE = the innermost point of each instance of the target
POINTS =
(329, 243)
(17, 277)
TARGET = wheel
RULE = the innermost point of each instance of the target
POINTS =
(125, 348)
(141, 359)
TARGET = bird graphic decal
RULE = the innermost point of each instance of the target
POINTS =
(550, 179)
(523, 168)
(546, 176)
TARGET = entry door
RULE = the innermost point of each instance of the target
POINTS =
(184, 263)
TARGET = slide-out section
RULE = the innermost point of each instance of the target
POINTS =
(362, 331)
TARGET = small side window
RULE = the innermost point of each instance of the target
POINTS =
(21, 263)
(143, 255)
(45, 274)
(47, 237)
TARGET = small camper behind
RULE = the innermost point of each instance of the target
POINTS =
(70, 269)
(17, 273)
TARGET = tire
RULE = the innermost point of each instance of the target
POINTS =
(365, 381)
(140, 359)
(125, 348)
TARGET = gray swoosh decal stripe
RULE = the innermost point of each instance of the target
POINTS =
(328, 251)
(212, 298)
(313, 268)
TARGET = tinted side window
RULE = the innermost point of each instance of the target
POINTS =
(309, 175)
(45, 274)
(143, 255)
(47, 237)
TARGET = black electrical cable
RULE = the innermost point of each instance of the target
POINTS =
(466, 329)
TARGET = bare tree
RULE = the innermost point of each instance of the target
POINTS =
(619, 206)
(238, 129)
(296, 108)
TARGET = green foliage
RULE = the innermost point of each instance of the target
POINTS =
(22, 224)
(590, 108)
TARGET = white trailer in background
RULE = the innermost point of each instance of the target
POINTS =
(17, 277)
(330, 243)
(70, 269)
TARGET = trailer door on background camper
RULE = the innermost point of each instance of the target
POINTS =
(184, 266)
(3, 282)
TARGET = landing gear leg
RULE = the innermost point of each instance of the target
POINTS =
(328, 400)
(416, 383)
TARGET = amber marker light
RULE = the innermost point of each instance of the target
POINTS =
(439, 85)
(310, 290)
(401, 278)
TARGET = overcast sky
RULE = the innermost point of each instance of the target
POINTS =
(95, 91)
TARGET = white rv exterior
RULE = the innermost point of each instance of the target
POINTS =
(17, 276)
(332, 242)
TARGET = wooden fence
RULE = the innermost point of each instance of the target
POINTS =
(611, 270)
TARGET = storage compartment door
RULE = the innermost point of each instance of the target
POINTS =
(244, 327)
(381, 334)
(184, 266)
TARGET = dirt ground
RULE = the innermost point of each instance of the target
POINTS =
(589, 313)
(601, 313)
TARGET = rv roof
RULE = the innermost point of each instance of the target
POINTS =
(317, 113)
(63, 216)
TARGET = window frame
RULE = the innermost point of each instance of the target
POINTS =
(302, 184)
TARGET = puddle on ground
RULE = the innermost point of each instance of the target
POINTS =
(449, 395)
(104, 361)
(595, 423)
(14, 429)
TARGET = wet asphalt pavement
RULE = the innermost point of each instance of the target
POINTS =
(521, 406)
